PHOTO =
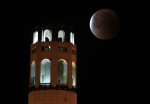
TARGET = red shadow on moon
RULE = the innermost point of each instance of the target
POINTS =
(105, 24)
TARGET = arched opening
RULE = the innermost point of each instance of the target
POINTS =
(35, 37)
(72, 38)
(61, 34)
(32, 73)
(45, 71)
(62, 72)
(47, 35)
(73, 74)
(47, 39)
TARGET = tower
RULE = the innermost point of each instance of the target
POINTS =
(53, 65)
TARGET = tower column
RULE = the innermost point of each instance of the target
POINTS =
(69, 76)
(54, 72)
(37, 72)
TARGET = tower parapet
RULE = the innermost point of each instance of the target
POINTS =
(53, 32)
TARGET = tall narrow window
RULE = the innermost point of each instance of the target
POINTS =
(34, 50)
(33, 73)
(73, 74)
(49, 48)
(42, 48)
(45, 71)
(65, 49)
(46, 48)
(59, 48)
(62, 72)
(62, 49)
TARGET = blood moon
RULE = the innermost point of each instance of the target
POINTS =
(105, 24)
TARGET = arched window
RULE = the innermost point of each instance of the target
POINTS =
(62, 72)
(35, 37)
(73, 74)
(61, 34)
(45, 71)
(72, 38)
(48, 35)
(33, 73)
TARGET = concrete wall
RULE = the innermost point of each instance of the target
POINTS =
(52, 97)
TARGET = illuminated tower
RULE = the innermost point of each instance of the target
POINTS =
(53, 66)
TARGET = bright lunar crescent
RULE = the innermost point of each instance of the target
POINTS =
(104, 24)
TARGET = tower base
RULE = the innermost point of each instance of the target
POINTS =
(52, 97)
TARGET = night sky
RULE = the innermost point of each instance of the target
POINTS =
(105, 68)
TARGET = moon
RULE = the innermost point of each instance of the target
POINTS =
(104, 24)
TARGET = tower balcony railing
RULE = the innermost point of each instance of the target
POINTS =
(45, 84)
(59, 86)
(62, 86)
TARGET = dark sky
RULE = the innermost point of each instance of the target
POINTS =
(105, 69)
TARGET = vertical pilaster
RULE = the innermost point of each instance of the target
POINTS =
(37, 73)
(69, 76)
(30, 76)
(54, 72)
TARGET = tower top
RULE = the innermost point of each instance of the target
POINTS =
(53, 32)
